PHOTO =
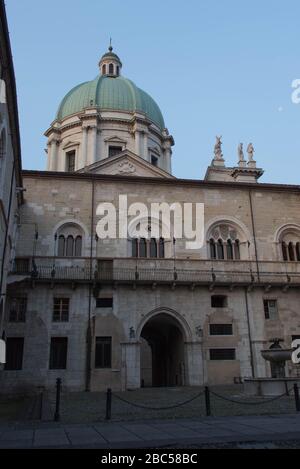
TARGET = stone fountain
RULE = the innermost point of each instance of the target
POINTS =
(278, 383)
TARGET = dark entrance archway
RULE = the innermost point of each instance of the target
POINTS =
(162, 352)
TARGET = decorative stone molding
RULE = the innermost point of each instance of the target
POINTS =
(126, 167)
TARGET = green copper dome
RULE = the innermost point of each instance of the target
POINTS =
(112, 93)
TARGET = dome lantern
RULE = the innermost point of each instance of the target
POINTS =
(110, 64)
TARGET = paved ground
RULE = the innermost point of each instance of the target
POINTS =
(246, 431)
(82, 407)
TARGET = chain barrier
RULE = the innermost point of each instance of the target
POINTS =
(266, 401)
(140, 406)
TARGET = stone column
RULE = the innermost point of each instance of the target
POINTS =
(168, 164)
(138, 142)
(131, 360)
(53, 156)
(93, 144)
(146, 154)
(48, 153)
(194, 375)
(84, 146)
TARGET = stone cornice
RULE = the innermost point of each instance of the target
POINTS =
(130, 122)
(255, 172)
(169, 181)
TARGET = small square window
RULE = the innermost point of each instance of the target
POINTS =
(70, 161)
(114, 150)
(220, 329)
(154, 160)
(58, 353)
(14, 353)
(219, 301)
(104, 303)
(17, 310)
(270, 309)
(219, 354)
(103, 352)
(61, 309)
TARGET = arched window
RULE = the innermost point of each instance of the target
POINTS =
(135, 251)
(69, 241)
(237, 254)
(143, 248)
(61, 246)
(153, 248)
(118, 70)
(290, 244)
(70, 246)
(213, 252)
(111, 69)
(298, 251)
(161, 248)
(220, 249)
(78, 246)
(284, 251)
(225, 242)
(229, 249)
(104, 69)
(291, 251)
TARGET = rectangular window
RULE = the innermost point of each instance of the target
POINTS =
(61, 309)
(154, 160)
(113, 150)
(17, 310)
(58, 353)
(222, 354)
(219, 301)
(14, 353)
(70, 156)
(270, 309)
(104, 303)
(22, 265)
(103, 352)
(220, 329)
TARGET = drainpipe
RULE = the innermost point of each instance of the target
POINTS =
(89, 328)
(249, 334)
(254, 234)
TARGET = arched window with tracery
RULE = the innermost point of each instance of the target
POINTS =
(289, 242)
(298, 251)
(161, 252)
(224, 242)
(148, 248)
(69, 240)
(111, 69)
(104, 69)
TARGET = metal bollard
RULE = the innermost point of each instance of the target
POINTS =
(108, 404)
(296, 394)
(207, 401)
(57, 404)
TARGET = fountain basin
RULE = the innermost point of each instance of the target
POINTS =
(269, 386)
(277, 354)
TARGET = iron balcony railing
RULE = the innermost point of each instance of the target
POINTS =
(158, 270)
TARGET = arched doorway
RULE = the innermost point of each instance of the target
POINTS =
(162, 352)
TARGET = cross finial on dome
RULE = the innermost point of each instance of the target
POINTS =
(110, 46)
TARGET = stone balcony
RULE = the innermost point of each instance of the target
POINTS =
(159, 271)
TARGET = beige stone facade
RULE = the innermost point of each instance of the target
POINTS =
(182, 306)
(124, 312)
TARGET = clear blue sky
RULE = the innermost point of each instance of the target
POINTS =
(214, 67)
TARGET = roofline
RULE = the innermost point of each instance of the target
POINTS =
(8, 75)
(160, 181)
